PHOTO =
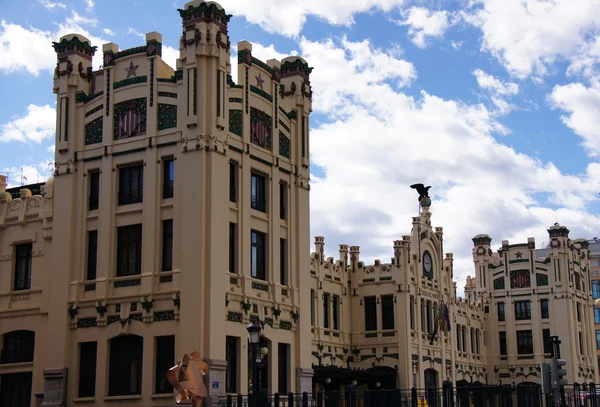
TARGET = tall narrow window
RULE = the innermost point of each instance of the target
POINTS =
(544, 309)
(524, 342)
(283, 262)
(581, 344)
(168, 178)
(336, 312)
(129, 250)
(232, 357)
(312, 307)
(15, 389)
(258, 190)
(423, 318)
(232, 246)
(370, 314)
(92, 257)
(23, 267)
(258, 255)
(131, 184)
(598, 339)
(387, 312)
(283, 365)
(87, 369)
(233, 177)
(503, 343)
(596, 287)
(303, 137)
(94, 190)
(165, 357)
(429, 321)
(464, 338)
(473, 341)
(596, 315)
(282, 200)
(458, 330)
(412, 312)
(501, 313)
(477, 341)
(326, 302)
(167, 246)
(578, 308)
(547, 341)
(125, 368)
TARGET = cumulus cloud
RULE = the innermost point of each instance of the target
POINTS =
(108, 31)
(52, 5)
(38, 55)
(28, 174)
(89, 5)
(581, 105)
(424, 23)
(37, 125)
(268, 13)
(377, 140)
(540, 32)
(497, 91)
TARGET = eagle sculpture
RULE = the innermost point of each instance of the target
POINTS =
(422, 190)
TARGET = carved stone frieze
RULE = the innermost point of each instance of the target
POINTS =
(5, 257)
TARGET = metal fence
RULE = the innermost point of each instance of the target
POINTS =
(522, 395)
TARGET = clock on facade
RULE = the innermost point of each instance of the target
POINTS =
(427, 265)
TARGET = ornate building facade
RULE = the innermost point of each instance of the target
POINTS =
(178, 210)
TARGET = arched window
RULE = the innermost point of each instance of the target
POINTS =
(125, 377)
(18, 347)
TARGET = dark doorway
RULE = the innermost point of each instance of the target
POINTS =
(431, 385)
(15, 390)
(262, 362)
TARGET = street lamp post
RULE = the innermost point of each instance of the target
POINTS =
(254, 338)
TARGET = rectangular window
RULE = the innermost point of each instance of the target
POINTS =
(387, 312)
(23, 267)
(258, 256)
(522, 310)
(458, 348)
(473, 341)
(524, 342)
(231, 355)
(87, 369)
(312, 307)
(94, 190)
(501, 314)
(598, 339)
(596, 315)
(412, 312)
(503, 343)
(596, 287)
(131, 184)
(547, 341)
(282, 200)
(165, 358)
(168, 178)
(232, 247)
(336, 311)
(581, 344)
(284, 357)
(129, 250)
(233, 177)
(423, 327)
(544, 306)
(92, 255)
(167, 245)
(303, 137)
(326, 302)
(258, 190)
(282, 261)
(429, 321)
(578, 308)
(477, 341)
(370, 314)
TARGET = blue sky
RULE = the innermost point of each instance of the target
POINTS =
(494, 103)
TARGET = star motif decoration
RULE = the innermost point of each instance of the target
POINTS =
(131, 69)
(519, 255)
(259, 81)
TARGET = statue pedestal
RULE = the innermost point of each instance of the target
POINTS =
(55, 387)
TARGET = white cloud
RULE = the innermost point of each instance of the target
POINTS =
(108, 31)
(376, 141)
(132, 31)
(527, 36)
(268, 13)
(582, 107)
(424, 23)
(39, 55)
(456, 44)
(51, 6)
(170, 55)
(489, 82)
(28, 174)
(38, 124)
(89, 5)
(51, 149)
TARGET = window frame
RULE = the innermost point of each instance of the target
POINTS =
(166, 262)
(545, 308)
(23, 266)
(121, 359)
(283, 365)
(232, 247)
(283, 200)
(164, 347)
(88, 362)
(94, 195)
(233, 180)
(335, 309)
(258, 255)
(598, 339)
(522, 314)
(129, 175)
(231, 372)
(92, 255)
(502, 343)
(596, 288)
(168, 187)
(370, 313)
(387, 318)
(283, 257)
(123, 247)
(23, 346)
(326, 310)
(501, 309)
(525, 342)
(258, 191)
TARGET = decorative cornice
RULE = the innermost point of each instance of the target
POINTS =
(208, 12)
(74, 45)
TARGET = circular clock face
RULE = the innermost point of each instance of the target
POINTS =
(427, 262)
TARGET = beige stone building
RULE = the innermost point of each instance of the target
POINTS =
(179, 211)
(594, 248)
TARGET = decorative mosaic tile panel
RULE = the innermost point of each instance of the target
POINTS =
(93, 131)
(285, 325)
(234, 316)
(499, 283)
(520, 279)
(260, 128)
(130, 118)
(541, 279)
(235, 121)
(167, 116)
(284, 145)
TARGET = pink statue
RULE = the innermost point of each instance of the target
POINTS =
(187, 379)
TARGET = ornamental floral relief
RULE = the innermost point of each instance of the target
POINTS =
(5, 257)
(14, 205)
